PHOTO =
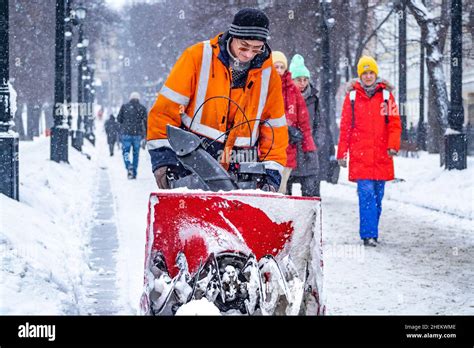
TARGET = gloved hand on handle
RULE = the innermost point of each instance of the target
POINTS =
(161, 178)
(342, 162)
(392, 152)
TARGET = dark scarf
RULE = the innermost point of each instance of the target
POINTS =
(370, 90)
(307, 92)
(239, 70)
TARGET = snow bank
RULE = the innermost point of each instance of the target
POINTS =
(423, 183)
(42, 238)
(198, 307)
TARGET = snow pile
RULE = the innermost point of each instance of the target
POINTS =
(198, 307)
(423, 183)
(42, 238)
(423, 264)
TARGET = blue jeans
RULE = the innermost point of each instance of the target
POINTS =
(370, 206)
(134, 142)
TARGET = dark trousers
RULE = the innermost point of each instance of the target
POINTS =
(111, 148)
(370, 206)
(309, 185)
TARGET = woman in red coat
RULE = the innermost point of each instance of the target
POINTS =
(371, 136)
(297, 118)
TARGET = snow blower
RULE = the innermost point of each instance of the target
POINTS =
(215, 236)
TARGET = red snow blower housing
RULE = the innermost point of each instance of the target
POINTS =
(215, 236)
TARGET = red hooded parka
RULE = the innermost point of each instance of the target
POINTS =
(368, 142)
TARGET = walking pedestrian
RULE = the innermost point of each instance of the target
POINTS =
(370, 137)
(310, 170)
(297, 117)
(112, 131)
(132, 118)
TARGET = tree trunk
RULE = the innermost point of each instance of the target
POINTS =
(32, 124)
(433, 131)
(18, 119)
(432, 39)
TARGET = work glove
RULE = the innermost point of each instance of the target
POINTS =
(272, 181)
(161, 178)
(342, 162)
(392, 152)
(269, 188)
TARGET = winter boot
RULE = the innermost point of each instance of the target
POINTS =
(130, 173)
(370, 242)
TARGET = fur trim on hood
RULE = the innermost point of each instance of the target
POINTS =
(351, 84)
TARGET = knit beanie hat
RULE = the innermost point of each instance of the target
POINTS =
(278, 56)
(250, 24)
(297, 67)
(367, 63)
(134, 95)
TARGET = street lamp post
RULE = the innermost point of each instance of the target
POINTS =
(60, 130)
(9, 179)
(68, 36)
(90, 102)
(402, 66)
(455, 139)
(421, 131)
(79, 16)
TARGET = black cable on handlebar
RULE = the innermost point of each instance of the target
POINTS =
(230, 100)
(248, 121)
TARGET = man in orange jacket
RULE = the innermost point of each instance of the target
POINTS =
(234, 65)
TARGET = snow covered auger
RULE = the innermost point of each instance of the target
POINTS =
(247, 251)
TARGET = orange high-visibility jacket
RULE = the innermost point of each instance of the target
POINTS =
(199, 75)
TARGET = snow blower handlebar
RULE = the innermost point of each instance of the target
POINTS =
(206, 172)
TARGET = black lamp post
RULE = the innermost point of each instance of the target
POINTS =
(421, 131)
(87, 101)
(69, 22)
(455, 139)
(9, 179)
(78, 18)
(60, 130)
(90, 92)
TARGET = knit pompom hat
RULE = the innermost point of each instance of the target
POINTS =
(279, 56)
(297, 67)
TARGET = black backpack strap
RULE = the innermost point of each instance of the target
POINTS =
(386, 98)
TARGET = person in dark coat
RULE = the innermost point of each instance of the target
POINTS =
(133, 120)
(112, 129)
(309, 171)
(297, 117)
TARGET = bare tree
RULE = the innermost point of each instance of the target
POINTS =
(433, 38)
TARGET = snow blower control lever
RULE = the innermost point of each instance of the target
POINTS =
(206, 172)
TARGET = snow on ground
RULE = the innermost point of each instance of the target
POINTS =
(43, 238)
(425, 261)
(424, 264)
(131, 204)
